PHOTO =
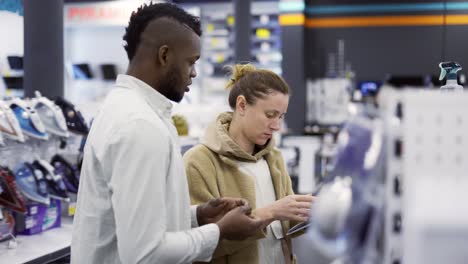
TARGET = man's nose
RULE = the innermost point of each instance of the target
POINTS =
(193, 72)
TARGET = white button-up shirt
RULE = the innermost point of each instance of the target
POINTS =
(133, 200)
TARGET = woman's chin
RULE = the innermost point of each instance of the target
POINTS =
(261, 142)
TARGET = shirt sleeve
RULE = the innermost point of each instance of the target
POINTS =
(139, 156)
(193, 214)
(203, 186)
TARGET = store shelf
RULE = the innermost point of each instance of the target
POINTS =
(266, 41)
(272, 38)
(50, 245)
(217, 33)
(272, 24)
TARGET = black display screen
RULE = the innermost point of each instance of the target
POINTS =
(82, 71)
(13, 82)
(15, 62)
(109, 72)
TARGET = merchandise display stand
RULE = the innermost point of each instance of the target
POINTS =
(45, 247)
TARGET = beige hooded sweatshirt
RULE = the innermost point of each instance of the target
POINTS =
(212, 172)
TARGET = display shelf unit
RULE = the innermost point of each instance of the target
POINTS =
(425, 217)
(48, 246)
(218, 24)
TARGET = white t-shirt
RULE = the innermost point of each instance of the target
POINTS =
(269, 248)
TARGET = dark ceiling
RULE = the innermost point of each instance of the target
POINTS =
(175, 1)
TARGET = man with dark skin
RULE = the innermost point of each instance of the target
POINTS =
(167, 65)
(133, 201)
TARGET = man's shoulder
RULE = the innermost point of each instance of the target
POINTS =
(124, 100)
(126, 105)
(123, 110)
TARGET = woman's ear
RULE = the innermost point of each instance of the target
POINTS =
(241, 104)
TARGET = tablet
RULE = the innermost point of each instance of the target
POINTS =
(298, 227)
(305, 225)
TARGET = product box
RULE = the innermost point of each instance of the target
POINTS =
(39, 217)
(52, 217)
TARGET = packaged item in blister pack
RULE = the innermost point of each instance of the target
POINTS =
(347, 215)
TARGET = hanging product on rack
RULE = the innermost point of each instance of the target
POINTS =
(74, 119)
(9, 125)
(55, 184)
(50, 114)
(32, 183)
(69, 173)
(10, 197)
(28, 119)
(35, 131)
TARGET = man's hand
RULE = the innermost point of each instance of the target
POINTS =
(213, 210)
(239, 224)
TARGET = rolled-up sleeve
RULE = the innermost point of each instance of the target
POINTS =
(140, 156)
(193, 215)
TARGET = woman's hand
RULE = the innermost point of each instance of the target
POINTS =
(293, 207)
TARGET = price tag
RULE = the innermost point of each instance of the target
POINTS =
(230, 20)
(210, 27)
(71, 209)
(29, 222)
(263, 33)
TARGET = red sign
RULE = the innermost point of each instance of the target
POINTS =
(93, 13)
(108, 13)
(113, 13)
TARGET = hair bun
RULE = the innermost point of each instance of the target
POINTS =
(239, 71)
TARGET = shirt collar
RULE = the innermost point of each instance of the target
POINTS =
(156, 100)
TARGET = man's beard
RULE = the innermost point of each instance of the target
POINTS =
(169, 87)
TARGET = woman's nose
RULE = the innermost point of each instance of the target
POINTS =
(275, 125)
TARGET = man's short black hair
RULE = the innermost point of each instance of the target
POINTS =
(147, 13)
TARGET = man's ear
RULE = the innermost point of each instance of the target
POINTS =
(241, 104)
(163, 54)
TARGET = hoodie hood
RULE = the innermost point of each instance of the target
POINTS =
(218, 140)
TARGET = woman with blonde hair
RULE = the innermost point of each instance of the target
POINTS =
(237, 158)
